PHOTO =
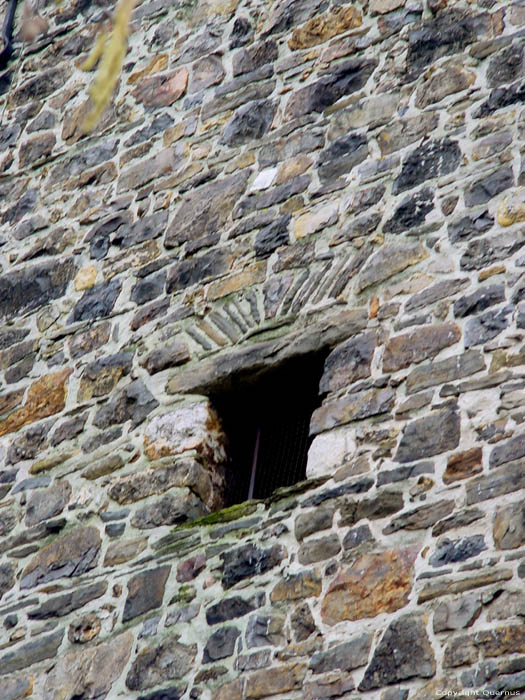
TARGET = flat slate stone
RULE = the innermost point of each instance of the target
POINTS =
(71, 555)
(145, 592)
(413, 657)
(31, 653)
(169, 660)
(61, 605)
(429, 436)
(432, 159)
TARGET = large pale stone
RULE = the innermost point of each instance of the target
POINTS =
(511, 210)
(273, 681)
(312, 222)
(329, 451)
(88, 674)
(374, 584)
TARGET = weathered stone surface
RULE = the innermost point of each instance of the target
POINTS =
(302, 622)
(354, 407)
(441, 84)
(8, 520)
(502, 640)
(449, 587)
(272, 236)
(432, 435)
(247, 561)
(206, 71)
(463, 465)
(349, 362)
(102, 376)
(511, 209)
(344, 657)
(62, 605)
(461, 651)
(341, 156)
(71, 555)
(488, 187)
(122, 551)
(325, 26)
(479, 300)
(385, 503)
(413, 655)
(319, 549)
(432, 159)
(273, 681)
(178, 506)
(84, 629)
(507, 451)
(254, 56)
(89, 673)
(483, 252)
(44, 398)
(448, 33)
(97, 302)
(505, 66)
(509, 526)
(505, 480)
(348, 78)
(486, 326)
(161, 90)
(34, 286)
(192, 427)
(457, 614)
(169, 660)
(230, 609)
(411, 212)
(421, 344)
(145, 592)
(190, 568)
(220, 645)
(48, 503)
(16, 688)
(421, 517)
(206, 210)
(444, 371)
(31, 653)
(172, 355)
(309, 523)
(296, 587)
(133, 403)
(374, 584)
(7, 577)
(265, 630)
(249, 122)
(389, 260)
(452, 551)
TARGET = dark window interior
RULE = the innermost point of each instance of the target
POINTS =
(267, 418)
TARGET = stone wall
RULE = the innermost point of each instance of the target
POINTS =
(271, 180)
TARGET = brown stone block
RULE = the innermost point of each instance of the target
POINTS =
(422, 344)
(462, 465)
(323, 27)
(374, 584)
(503, 640)
(295, 587)
(272, 681)
(161, 90)
(45, 397)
